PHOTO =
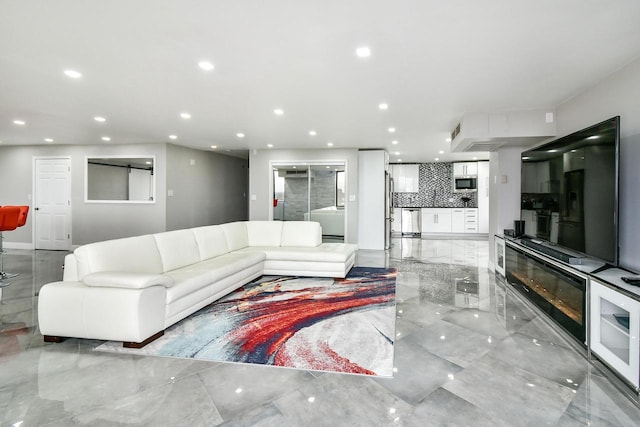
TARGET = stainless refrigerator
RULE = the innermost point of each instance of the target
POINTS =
(388, 208)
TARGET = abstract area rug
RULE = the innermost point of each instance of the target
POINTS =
(323, 324)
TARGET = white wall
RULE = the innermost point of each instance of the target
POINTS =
(371, 179)
(261, 177)
(619, 94)
(504, 191)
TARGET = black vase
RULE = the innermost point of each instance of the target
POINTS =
(518, 226)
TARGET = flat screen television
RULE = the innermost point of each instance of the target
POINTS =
(570, 192)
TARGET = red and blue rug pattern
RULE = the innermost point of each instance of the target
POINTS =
(323, 324)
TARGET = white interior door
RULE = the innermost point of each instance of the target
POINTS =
(52, 203)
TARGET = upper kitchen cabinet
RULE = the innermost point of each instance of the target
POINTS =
(405, 178)
(465, 169)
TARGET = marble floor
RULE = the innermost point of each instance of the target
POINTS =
(465, 354)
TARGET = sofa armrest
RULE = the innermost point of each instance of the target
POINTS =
(123, 279)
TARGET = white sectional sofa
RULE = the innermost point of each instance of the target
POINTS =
(132, 289)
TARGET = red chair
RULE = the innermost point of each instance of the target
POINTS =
(11, 217)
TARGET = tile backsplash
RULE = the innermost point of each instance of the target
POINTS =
(435, 189)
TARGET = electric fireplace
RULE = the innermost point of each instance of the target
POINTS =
(557, 292)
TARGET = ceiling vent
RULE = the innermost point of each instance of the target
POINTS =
(292, 173)
(481, 132)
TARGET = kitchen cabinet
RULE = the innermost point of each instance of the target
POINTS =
(405, 178)
(614, 327)
(465, 169)
(436, 220)
(396, 224)
(457, 220)
(470, 220)
(464, 220)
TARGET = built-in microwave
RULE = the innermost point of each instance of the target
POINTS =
(467, 183)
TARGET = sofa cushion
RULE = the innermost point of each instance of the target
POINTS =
(134, 254)
(326, 252)
(301, 233)
(177, 249)
(236, 235)
(264, 233)
(197, 276)
(211, 241)
(226, 265)
(124, 279)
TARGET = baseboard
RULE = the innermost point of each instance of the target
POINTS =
(17, 245)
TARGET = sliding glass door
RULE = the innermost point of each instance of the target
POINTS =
(311, 192)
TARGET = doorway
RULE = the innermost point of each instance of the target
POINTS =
(52, 203)
(311, 192)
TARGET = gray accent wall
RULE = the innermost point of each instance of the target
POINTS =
(91, 222)
(616, 95)
(207, 188)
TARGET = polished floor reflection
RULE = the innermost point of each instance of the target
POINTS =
(467, 352)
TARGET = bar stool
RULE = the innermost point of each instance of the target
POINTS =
(11, 217)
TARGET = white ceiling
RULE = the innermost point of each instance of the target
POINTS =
(431, 61)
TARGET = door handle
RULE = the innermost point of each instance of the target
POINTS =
(37, 209)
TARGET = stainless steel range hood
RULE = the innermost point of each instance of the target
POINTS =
(489, 131)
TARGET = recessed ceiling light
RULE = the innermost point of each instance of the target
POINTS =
(394, 142)
(148, 163)
(73, 74)
(240, 135)
(185, 115)
(383, 106)
(106, 138)
(214, 146)
(552, 151)
(328, 167)
(475, 158)
(330, 144)
(270, 145)
(19, 122)
(278, 112)
(437, 158)
(173, 136)
(391, 130)
(363, 52)
(48, 140)
(440, 152)
(397, 153)
(206, 65)
(526, 158)
(312, 133)
(99, 119)
(448, 139)
(399, 160)
(594, 137)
